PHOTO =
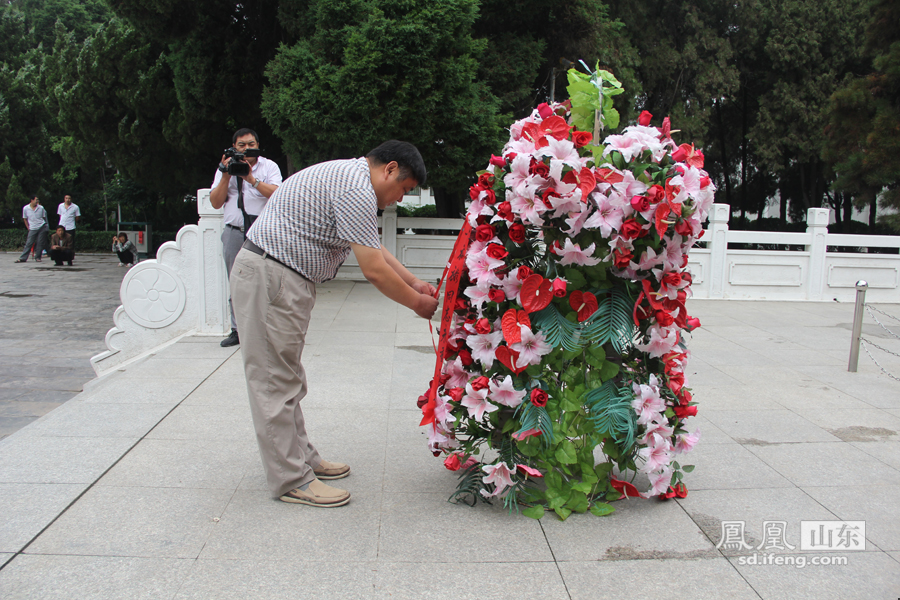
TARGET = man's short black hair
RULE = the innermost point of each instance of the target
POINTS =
(123, 234)
(407, 157)
(241, 133)
(63, 227)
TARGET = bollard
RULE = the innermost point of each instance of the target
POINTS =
(861, 287)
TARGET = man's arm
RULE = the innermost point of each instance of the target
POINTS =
(410, 279)
(389, 282)
(219, 195)
(266, 189)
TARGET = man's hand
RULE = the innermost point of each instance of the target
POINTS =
(426, 306)
(423, 288)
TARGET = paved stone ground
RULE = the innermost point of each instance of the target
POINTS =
(148, 484)
(54, 319)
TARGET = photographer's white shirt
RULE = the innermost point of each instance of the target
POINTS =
(67, 215)
(266, 171)
(36, 217)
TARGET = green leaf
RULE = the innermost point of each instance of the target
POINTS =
(687, 468)
(582, 486)
(566, 454)
(562, 512)
(535, 512)
(578, 502)
(601, 509)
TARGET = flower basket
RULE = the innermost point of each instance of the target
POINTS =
(561, 364)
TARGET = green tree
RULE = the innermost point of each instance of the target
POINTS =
(864, 120)
(363, 71)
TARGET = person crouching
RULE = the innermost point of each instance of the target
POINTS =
(125, 250)
(62, 247)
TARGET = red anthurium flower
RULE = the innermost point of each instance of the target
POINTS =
(686, 153)
(555, 126)
(533, 133)
(644, 118)
(584, 179)
(581, 138)
(660, 219)
(510, 323)
(536, 293)
(624, 488)
(528, 471)
(683, 228)
(508, 358)
(525, 434)
(666, 129)
(583, 303)
(608, 176)
(692, 323)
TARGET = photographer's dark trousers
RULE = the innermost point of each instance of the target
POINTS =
(38, 239)
(59, 256)
(126, 258)
(232, 239)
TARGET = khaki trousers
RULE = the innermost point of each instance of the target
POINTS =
(272, 304)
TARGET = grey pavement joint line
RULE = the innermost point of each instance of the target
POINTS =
(107, 470)
(555, 562)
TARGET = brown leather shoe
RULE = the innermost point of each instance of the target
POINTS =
(331, 470)
(318, 494)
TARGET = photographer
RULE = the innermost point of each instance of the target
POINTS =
(243, 184)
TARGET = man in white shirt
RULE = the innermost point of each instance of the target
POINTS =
(243, 198)
(69, 214)
(35, 217)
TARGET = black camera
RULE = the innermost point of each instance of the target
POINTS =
(238, 166)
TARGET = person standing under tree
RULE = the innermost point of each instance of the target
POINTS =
(35, 217)
(69, 214)
(242, 203)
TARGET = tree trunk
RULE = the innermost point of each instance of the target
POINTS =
(848, 212)
(725, 158)
(448, 205)
(873, 208)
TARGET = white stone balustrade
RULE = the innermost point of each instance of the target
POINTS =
(185, 291)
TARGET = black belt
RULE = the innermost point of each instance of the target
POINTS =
(241, 228)
(257, 250)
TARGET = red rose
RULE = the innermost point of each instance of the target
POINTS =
(422, 401)
(683, 412)
(685, 397)
(622, 258)
(450, 350)
(496, 295)
(640, 203)
(630, 229)
(466, 357)
(664, 318)
(490, 197)
(482, 326)
(475, 191)
(504, 210)
(656, 193)
(540, 169)
(559, 287)
(484, 233)
(480, 383)
(538, 397)
(498, 161)
(666, 129)
(704, 181)
(517, 233)
(461, 304)
(676, 382)
(683, 228)
(497, 251)
(456, 394)
(544, 110)
(523, 273)
(681, 153)
(487, 180)
(452, 462)
(644, 119)
(581, 138)
(672, 279)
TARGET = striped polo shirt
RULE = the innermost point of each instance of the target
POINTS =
(312, 218)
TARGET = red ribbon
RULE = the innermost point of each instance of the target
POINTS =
(453, 276)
